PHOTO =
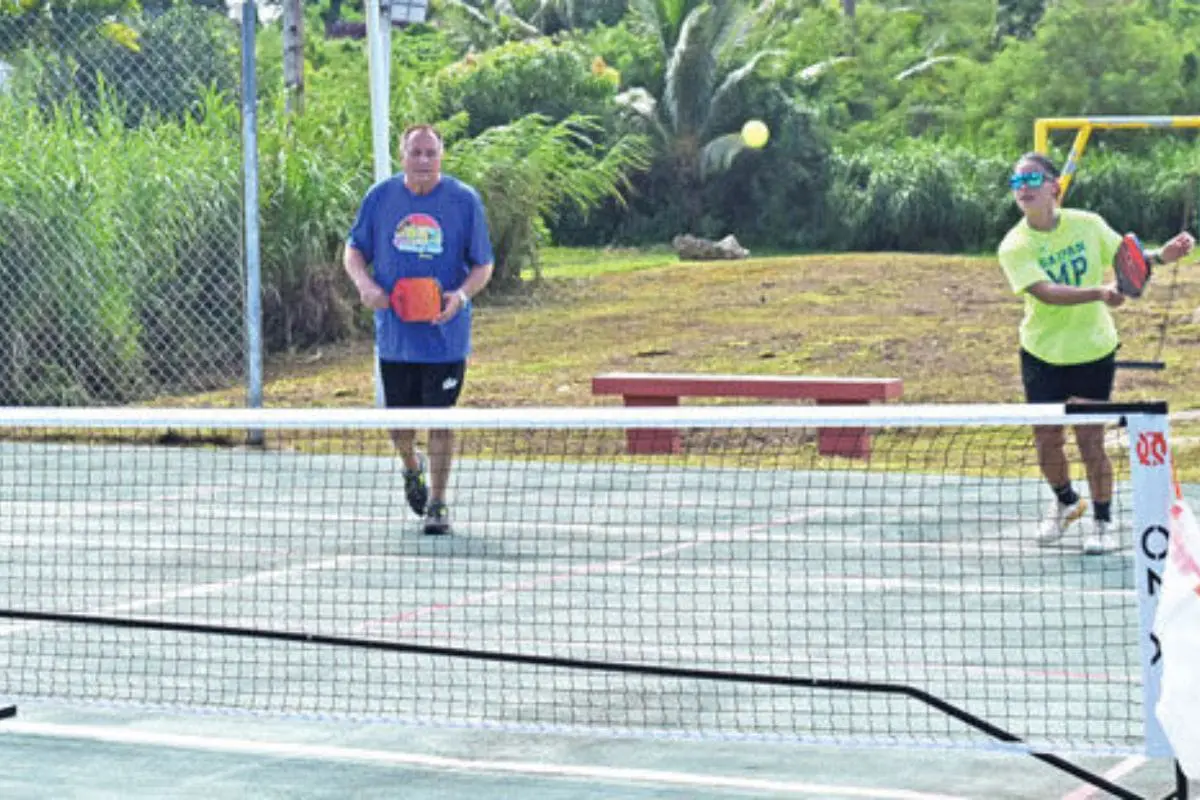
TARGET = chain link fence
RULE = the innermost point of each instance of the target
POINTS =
(120, 203)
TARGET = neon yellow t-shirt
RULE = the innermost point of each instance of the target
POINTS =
(1077, 252)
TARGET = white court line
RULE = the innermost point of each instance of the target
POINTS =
(197, 590)
(70, 511)
(134, 542)
(1116, 773)
(86, 507)
(202, 525)
(720, 656)
(1000, 545)
(790, 573)
(1071, 544)
(796, 577)
(590, 773)
(852, 584)
(799, 580)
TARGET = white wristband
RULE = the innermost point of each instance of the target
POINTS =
(463, 298)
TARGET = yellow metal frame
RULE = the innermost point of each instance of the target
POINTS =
(1084, 127)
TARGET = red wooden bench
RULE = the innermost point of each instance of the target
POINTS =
(647, 389)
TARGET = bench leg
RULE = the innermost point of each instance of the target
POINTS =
(848, 442)
(652, 441)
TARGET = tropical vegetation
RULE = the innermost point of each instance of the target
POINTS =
(600, 123)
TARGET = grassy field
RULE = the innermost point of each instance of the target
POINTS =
(946, 325)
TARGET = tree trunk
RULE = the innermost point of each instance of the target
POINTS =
(332, 16)
(293, 56)
(848, 8)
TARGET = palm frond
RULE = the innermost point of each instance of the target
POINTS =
(814, 71)
(645, 15)
(474, 14)
(505, 9)
(642, 103)
(482, 29)
(689, 74)
(924, 66)
(529, 170)
(735, 21)
(732, 80)
(718, 155)
(665, 18)
(546, 12)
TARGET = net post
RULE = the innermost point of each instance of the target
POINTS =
(1041, 136)
(1073, 158)
(1150, 472)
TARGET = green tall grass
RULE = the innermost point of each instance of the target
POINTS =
(927, 196)
(119, 250)
(919, 198)
(121, 243)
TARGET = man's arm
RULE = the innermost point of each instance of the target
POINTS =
(476, 280)
(457, 300)
(478, 251)
(1180, 245)
(370, 293)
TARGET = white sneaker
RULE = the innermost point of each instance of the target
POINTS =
(1101, 539)
(1058, 518)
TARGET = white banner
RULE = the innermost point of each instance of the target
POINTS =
(1177, 626)
(1150, 467)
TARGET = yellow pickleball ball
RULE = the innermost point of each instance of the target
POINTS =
(755, 133)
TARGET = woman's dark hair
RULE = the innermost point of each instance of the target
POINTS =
(1047, 166)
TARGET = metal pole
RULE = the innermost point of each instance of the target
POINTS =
(253, 298)
(378, 71)
(379, 82)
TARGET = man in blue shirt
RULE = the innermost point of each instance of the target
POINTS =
(422, 224)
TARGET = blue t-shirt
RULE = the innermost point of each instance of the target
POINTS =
(442, 235)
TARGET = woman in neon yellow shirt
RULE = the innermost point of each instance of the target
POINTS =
(1059, 258)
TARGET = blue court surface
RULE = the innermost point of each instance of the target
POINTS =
(909, 579)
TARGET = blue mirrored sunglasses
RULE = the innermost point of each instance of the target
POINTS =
(1031, 179)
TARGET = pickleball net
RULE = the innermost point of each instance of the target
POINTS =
(744, 585)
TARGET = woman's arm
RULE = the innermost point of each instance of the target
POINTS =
(1056, 294)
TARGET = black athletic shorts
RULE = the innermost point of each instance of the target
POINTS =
(408, 385)
(1056, 383)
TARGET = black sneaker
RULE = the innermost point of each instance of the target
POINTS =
(415, 490)
(437, 520)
